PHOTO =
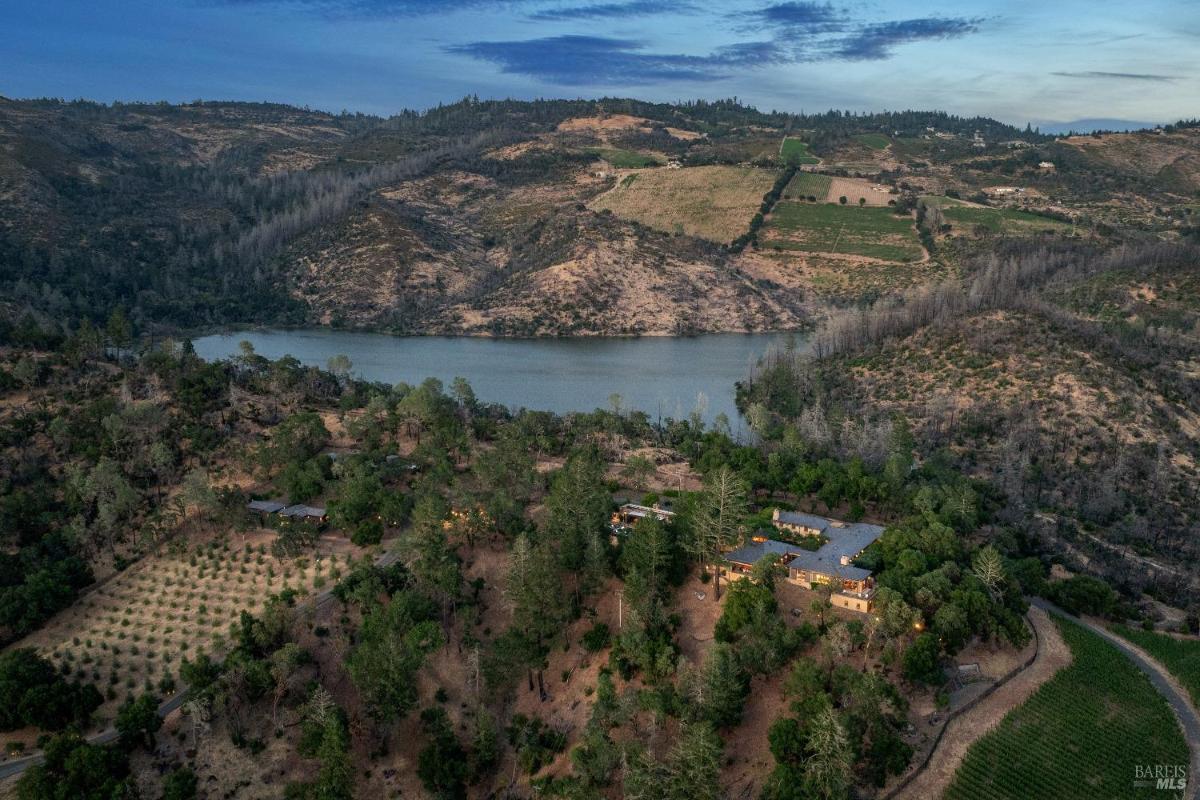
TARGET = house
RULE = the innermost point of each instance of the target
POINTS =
(303, 513)
(630, 513)
(826, 561)
(265, 507)
(800, 524)
(1046, 166)
(624, 518)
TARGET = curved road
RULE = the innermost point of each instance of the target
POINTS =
(1180, 704)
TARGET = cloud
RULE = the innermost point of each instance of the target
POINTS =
(874, 41)
(798, 18)
(594, 60)
(1125, 76)
(633, 8)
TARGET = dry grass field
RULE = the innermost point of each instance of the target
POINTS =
(130, 634)
(856, 189)
(714, 203)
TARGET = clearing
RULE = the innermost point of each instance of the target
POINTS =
(625, 159)
(859, 192)
(714, 203)
(1079, 736)
(964, 218)
(823, 228)
(875, 141)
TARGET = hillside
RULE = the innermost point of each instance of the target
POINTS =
(1065, 380)
(515, 218)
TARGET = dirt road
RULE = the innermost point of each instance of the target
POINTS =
(967, 728)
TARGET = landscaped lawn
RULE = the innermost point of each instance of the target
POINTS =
(1081, 735)
(1180, 656)
(828, 228)
(794, 151)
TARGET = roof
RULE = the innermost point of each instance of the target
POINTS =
(805, 520)
(813, 562)
(635, 510)
(844, 540)
(266, 506)
(752, 552)
(301, 510)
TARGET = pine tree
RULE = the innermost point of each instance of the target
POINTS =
(718, 523)
(827, 771)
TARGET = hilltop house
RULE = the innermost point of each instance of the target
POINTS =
(826, 559)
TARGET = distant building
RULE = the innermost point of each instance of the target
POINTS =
(630, 513)
(826, 561)
(303, 513)
(265, 507)
(1046, 166)
(625, 517)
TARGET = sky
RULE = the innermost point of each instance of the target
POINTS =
(1019, 61)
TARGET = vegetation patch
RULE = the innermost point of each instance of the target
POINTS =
(794, 151)
(964, 218)
(1079, 736)
(132, 634)
(811, 186)
(825, 228)
(875, 141)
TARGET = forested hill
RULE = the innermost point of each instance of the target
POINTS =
(197, 214)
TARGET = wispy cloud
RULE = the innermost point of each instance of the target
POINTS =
(595, 60)
(1121, 76)
(798, 18)
(875, 41)
(633, 8)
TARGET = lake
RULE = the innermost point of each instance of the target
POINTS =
(662, 376)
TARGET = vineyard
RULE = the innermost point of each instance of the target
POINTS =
(1079, 736)
(1180, 656)
(131, 634)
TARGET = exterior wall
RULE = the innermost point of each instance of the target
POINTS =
(850, 603)
(799, 530)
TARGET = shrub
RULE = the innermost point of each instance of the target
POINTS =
(597, 638)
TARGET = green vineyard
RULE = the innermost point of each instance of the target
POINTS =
(1081, 735)
(1180, 656)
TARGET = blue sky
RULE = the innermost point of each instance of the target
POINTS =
(1017, 61)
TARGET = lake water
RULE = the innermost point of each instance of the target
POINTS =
(662, 376)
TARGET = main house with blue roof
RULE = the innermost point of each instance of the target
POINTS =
(830, 563)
